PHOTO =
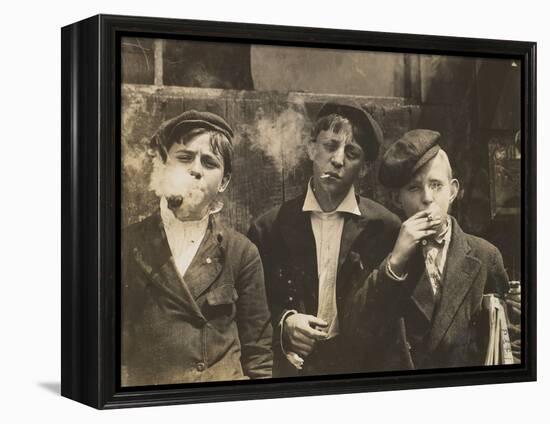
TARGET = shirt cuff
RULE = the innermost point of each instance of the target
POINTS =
(392, 274)
(291, 357)
(281, 324)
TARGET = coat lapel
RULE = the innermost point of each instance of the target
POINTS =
(423, 297)
(155, 259)
(353, 226)
(364, 239)
(207, 264)
(300, 249)
(460, 272)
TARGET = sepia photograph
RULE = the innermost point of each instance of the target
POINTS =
(292, 212)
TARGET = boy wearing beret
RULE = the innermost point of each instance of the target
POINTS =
(315, 245)
(193, 296)
(428, 294)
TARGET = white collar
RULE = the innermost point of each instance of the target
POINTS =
(348, 205)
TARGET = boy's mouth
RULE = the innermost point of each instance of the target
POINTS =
(174, 202)
(330, 174)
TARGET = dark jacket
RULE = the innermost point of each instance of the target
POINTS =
(411, 329)
(211, 325)
(285, 239)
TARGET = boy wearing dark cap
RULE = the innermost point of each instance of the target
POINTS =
(193, 296)
(429, 292)
(313, 246)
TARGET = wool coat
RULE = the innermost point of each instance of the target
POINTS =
(411, 328)
(213, 324)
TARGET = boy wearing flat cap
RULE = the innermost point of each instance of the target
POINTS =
(193, 296)
(429, 292)
(314, 245)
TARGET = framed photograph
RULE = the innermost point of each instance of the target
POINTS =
(255, 211)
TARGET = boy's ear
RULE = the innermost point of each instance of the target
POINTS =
(455, 188)
(225, 182)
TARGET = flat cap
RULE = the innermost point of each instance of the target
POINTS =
(171, 129)
(406, 156)
(367, 132)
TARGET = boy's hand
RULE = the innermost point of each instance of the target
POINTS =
(421, 225)
(301, 331)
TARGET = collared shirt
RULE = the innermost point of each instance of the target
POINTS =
(327, 230)
(184, 238)
(441, 246)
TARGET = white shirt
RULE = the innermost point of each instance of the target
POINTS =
(184, 238)
(327, 230)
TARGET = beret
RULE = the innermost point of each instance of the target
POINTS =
(369, 136)
(406, 156)
(172, 128)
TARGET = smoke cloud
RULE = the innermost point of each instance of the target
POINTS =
(282, 137)
(186, 195)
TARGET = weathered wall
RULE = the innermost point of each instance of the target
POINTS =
(309, 70)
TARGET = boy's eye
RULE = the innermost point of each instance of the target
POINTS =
(352, 154)
(413, 188)
(184, 157)
(210, 163)
(331, 147)
(436, 185)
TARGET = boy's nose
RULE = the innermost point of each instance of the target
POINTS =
(337, 159)
(427, 196)
(196, 170)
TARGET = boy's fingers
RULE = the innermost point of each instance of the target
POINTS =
(317, 335)
(303, 339)
(303, 351)
(425, 233)
(316, 322)
(422, 226)
(420, 214)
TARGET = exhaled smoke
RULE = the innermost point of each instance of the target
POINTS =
(282, 138)
(185, 194)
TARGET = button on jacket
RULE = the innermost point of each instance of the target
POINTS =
(211, 325)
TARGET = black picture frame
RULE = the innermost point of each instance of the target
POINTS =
(91, 209)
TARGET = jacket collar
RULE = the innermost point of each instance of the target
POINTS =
(296, 231)
(348, 204)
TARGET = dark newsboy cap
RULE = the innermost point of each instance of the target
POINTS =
(406, 156)
(368, 135)
(170, 130)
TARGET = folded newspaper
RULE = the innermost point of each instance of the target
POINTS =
(499, 349)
